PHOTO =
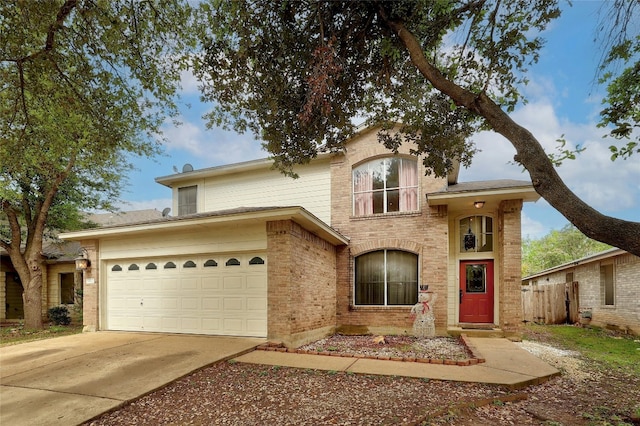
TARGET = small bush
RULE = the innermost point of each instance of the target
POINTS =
(59, 315)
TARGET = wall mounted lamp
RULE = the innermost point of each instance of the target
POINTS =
(82, 261)
(478, 204)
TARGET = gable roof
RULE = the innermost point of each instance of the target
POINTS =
(464, 194)
(612, 252)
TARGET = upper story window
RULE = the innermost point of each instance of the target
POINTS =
(187, 200)
(385, 185)
(476, 234)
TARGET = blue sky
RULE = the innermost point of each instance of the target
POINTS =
(563, 100)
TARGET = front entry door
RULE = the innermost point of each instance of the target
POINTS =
(476, 291)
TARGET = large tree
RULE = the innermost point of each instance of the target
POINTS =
(297, 73)
(556, 248)
(84, 86)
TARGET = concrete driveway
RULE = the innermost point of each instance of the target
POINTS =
(68, 380)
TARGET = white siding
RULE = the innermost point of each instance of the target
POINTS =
(270, 188)
(221, 239)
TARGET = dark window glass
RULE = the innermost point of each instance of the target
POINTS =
(116, 268)
(134, 267)
(189, 264)
(187, 200)
(169, 265)
(386, 277)
(151, 266)
(256, 261)
(233, 262)
(210, 263)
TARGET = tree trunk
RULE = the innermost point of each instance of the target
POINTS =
(32, 298)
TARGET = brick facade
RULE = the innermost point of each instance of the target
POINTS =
(91, 288)
(301, 291)
(509, 268)
(424, 232)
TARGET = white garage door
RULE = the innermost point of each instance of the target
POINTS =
(224, 294)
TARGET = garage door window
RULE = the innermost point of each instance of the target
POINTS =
(210, 263)
(189, 264)
(233, 262)
(169, 265)
(151, 266)
(134, 267)
(256, 261)
(116, 268)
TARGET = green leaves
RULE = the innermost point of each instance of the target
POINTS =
(85, 85)
(298, 74)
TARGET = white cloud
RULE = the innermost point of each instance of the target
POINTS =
(532, 228)
(211, 147)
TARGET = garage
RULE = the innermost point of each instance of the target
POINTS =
(220, 294)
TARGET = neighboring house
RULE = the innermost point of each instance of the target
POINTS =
(347, 245)
(62, 284)
(607, 286)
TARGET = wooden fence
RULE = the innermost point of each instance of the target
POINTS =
(549, 303)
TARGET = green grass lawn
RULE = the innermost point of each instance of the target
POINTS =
(606, 348)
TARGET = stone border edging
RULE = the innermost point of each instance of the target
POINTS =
(476, 358)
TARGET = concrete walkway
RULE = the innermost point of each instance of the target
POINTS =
(69, 380)
(506, 364)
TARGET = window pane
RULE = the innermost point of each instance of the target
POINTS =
(187, 200)
(370, 279)
(476, 234)
(378, 171)
(393, 200)
(392, 172)
(67, 289)
(402, 278)
(476, 278)
(378, 202)
(387, 185)
(606, 283)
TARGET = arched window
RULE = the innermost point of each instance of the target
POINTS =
(151, 266)
(386, 277)
(134, 267)
(210, 263)
(233, 262)
(256, 261)
(189, 264)
(169, 265)
(385, 185)
(116, 268)
(476, 234)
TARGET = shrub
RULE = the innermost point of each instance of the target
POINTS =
(59, 315)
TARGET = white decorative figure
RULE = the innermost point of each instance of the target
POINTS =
(422, 312)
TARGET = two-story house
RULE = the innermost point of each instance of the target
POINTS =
(347, 245)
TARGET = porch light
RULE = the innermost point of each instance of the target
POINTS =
(478, 204)
(82, 261)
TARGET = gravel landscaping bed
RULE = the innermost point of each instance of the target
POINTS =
(233, 393)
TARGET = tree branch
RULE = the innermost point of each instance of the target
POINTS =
(545, 179)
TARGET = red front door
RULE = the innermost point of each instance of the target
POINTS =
(476, 291)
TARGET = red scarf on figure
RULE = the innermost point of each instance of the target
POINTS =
(425, 307)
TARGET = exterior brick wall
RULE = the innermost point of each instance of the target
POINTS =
(91, 292)
(302, 291)
(624, 314)
(424, 232)
(509, 266)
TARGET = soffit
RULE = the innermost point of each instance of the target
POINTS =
(462, 196)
